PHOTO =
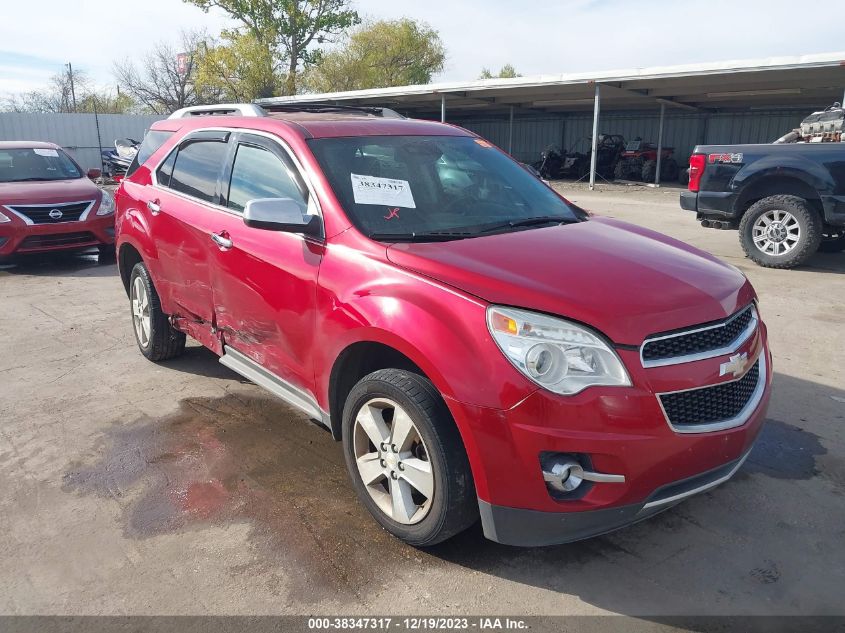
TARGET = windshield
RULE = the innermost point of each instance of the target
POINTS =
(19, 165)
(434, 187)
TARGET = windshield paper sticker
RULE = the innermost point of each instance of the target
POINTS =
(45, 152)
(383, 191)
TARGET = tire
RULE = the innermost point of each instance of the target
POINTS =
(797, 218)
(620, 172)
(649, 171)
(669, 170)
(159, 340)
(434, 444)
(683, 176)
(106, 254)
(833, 241)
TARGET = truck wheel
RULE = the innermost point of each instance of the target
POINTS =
(156, 338)
(780, 231)
(833, 241)
(406, 458)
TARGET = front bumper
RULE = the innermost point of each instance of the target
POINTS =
(19, 238)
(622, 431)
(532, 528)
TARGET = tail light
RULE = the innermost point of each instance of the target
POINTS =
(696, 168)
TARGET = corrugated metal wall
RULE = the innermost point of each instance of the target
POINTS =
(683, 131)
(77, 133)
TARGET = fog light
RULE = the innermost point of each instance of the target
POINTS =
(564, 473)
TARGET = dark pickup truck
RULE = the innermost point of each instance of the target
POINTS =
(787, 199)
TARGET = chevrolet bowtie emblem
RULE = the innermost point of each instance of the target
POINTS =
(735, 365)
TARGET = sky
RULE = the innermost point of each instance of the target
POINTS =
(545, 37)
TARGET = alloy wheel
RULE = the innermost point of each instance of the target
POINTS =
(141, 311)
(776, 232)
(393, 461)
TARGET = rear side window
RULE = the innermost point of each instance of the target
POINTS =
(197, 168)
(152, 141)
(258, 173)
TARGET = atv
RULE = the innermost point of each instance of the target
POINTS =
(639, 162)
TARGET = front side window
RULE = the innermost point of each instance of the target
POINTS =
(434, 187)
(36, 163)
(197, 169)
(259, 173)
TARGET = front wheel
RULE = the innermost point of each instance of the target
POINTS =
(156, 338)
(406, 458)
(780, 231)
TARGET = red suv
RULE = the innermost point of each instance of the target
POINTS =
(48, 204)
(479, 345)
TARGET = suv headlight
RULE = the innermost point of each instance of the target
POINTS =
(106, 204)
(558, 355)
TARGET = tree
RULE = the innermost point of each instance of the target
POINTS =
(289, 29)
(506, 72)
(59, 96)
(381, 54)
(239, 68)
(162, 83)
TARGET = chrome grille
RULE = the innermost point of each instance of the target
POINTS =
(704, 341)
(41, 213)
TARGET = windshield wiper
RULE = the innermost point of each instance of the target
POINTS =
(432, 236)
(536, 221)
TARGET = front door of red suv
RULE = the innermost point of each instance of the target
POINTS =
(265, 281)
(182, 207)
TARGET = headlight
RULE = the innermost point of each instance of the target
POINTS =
(106, 204)
(560, 356)
(4, 218)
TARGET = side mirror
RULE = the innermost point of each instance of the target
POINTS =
(280, 214)
(93, 174)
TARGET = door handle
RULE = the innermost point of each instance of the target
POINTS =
(154, 206)
(221, 240)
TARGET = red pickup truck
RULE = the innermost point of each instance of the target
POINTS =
(481, 346)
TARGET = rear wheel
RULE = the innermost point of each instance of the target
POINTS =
(649, 171)
(156, 338)
(406, 458)
(833, 241)
(780, 231)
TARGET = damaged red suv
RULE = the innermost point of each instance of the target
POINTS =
(47, 203)
(480, 346)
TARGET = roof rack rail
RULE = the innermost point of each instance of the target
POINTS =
(219, 109)
(387, 113)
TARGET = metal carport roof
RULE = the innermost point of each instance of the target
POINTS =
(806, 80)
(787, 81)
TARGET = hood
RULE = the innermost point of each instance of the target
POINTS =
(624, 280)
(47, 191)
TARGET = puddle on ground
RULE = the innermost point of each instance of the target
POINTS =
(784, 451)
(235, 459)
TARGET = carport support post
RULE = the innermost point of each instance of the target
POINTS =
(510, 134)
(443, 108)
(659, 144)
(593, 156)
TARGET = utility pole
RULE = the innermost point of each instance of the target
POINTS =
(72, 91)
